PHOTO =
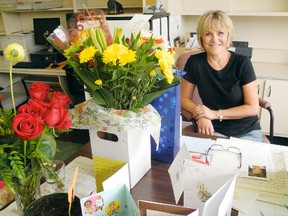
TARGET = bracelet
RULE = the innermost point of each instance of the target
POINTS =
(220, 115)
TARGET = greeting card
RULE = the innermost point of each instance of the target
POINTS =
(115, 201)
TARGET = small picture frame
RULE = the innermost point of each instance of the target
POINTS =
(148, 208)
(257, 171)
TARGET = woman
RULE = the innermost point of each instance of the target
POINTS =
(225, 80)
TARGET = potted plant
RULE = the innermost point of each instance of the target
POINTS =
(54, 204)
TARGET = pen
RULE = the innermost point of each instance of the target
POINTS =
(261, 213)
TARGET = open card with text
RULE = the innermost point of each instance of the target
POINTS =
(115, 201)
(206, 188)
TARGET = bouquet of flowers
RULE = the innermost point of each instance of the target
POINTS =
(27, 136)
(121, 73)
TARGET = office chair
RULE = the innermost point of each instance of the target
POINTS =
(20, 90)
(187, 116)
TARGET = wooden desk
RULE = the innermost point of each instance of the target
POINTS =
(154, 186)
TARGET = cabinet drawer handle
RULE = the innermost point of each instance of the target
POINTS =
(269, 91)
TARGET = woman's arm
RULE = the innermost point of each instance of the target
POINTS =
(190, 109)
(249, 108)
(187, 91)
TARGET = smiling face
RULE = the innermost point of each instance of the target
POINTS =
(214, 31)
(215, 39)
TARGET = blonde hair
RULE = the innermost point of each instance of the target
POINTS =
(205, 22)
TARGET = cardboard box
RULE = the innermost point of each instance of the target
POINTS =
(119, 135)
(24, 4)
(7, 5)
(180, 50)
(131, 146)
(46, 4)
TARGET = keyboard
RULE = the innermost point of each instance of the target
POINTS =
(31, 65)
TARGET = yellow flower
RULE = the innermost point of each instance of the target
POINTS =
(128, 72)
(126, 58)
(87, 54)
(165, 55)
(118, 53)
(98, 82)
(152, 73)
(167, 70)
(15, 52)
(166, 60)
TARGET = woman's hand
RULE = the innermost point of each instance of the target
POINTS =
(201, 111)
(205, 126)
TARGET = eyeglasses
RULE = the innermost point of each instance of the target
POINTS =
(230, 158)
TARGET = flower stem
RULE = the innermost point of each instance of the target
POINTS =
(11, 87)
(25, 151)
(40, 139)
(122, 89)
(117, 92)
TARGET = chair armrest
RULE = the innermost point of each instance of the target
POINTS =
(267, 105)
(264, 104)
(187, 116)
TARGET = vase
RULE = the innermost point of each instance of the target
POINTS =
(54, 204)
(54, 185)
(27, 189)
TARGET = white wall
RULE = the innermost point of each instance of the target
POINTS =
(267, 35)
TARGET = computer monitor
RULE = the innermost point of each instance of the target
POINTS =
(43, 27)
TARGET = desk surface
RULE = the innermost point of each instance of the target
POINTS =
(154, 186)
(4, 68)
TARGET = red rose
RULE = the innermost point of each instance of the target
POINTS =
(39, 91)
(58, 117)
(44, 104)
(34, 108)
(2, 184)
(60, 98)
(1, 98)
(26, 126)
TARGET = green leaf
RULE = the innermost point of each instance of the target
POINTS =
(85, 78)
(7, 139)
(48, 146)
(7, 177)
(4, 162)
(103, 97)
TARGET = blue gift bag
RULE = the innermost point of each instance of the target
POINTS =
(168, 106)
